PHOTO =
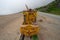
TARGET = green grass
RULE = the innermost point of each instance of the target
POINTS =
(50, 8)
(54, 11)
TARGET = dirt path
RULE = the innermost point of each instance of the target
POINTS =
(11, 30)
(50, 28)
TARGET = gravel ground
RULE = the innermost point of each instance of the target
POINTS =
(50, 27)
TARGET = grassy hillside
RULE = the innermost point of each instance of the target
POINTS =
(52, 8)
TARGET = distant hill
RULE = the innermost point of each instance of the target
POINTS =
(53, 8)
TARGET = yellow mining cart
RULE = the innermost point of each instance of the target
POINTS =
(29, 26)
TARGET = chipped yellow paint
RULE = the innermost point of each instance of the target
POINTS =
(29, 30)
(29, 17)
(29, 27)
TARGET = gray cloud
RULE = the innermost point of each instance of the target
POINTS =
(14, 6)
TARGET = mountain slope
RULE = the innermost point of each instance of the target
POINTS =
(53, 8)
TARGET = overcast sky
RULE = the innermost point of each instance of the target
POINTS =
(14, 6)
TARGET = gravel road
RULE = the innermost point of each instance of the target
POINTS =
(50, 27)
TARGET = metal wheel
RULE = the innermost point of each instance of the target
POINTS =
(22, 37)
